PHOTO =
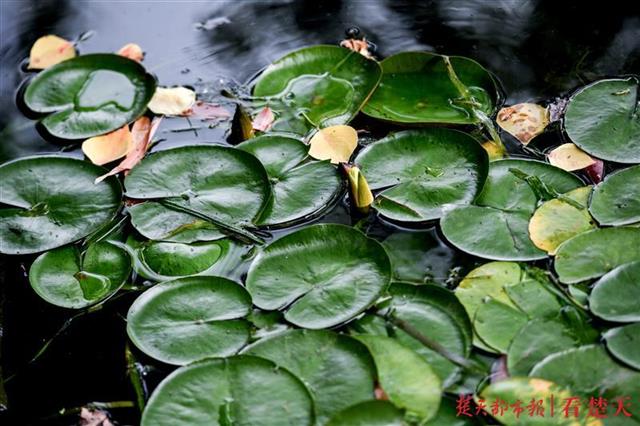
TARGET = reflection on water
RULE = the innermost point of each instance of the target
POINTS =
(538, 49)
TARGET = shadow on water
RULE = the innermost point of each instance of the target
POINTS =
(538, 49)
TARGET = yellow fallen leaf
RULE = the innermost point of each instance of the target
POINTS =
(107, 148)
(50, 50)
(361, 195)
(523, 121)
(172, 101)
(131, 51)
(335, 143)
(570, 158)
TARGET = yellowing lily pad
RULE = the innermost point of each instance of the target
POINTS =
(335, 143)
(524, 121)
(570, 158)
(172, 101)
(50, 50)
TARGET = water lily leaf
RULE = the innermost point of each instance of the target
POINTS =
(423, 173)
(263, 121)
(525, 390)
(416, 87)
(171, 259)
(224, 391)
(131, 51)
(616, 201)
(227, 186)
(369, 413)
(602, 119)
(555, 221)
(141, 135)
(50, 50)
(299, 189)
(323, 275)
(614, 295)
(594, 253)
(49, 201)
(157, 222)
(570, 158)
(318, 86)
(172, 101)
(335, 143)
(406, 378)
(352, 372)
(90, 95)
(497, 323)
(360, 193)
(69, 278)
(496, 227)
(523, 121)
(107, 148)
(191, 318)
(624, 343)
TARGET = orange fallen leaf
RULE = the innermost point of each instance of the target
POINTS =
(207, 111)
(107, 148)
(524, 121)
(50, 50)
(131, 51)
(335, 143)
(172, 101)
(263, 120)
(570, 158)
(142, 134)
(359, 46)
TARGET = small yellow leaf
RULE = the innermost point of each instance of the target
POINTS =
(335, 143)
(570, 158)
(50, 50)
(131, 51)
(361, 195)
(523, 121)
(172, 101)
(494, 150)
(107, 148)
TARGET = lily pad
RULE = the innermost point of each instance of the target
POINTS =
(602, 119)
(318, 86)
(417, 88)
(615, 296)
(594, 253)
(616, 200)
(226, 186)
(405, 377)
(323, 275)
(369, 413)
(624, 343)
(157, 222)
(90, 95)
(179, 259)
(423, 173)
(311, 355)
(497, 323)
(70, 278)
(557, 220)
(496, 227)
(188, 319)
(299, 189)
(49, 201)
(219, 392)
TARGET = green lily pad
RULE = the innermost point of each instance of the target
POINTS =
(405, 377)
(70, 278)
(497, 323)
(615, 295)
(49, 201)
(310, 355)
(602, 119)
(323, 275)
(624, 343)
(157, 222)
(496, 227)
(417, 88)
(616, 200)
(369, 413)
(242, 390)
(423, 173)
(188, 319)
(594, 253)
(226, 186)
(317, 86)
(300, 189)
(179, 259)
(90, 95)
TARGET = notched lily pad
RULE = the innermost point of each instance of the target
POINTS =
(615, 296)
(171, 259)
(624, 343)
(90, 95)
(616, 200)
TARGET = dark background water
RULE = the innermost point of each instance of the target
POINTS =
(539, 49)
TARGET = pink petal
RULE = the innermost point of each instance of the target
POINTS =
(263, 120)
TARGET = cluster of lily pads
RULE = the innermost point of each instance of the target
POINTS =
(326, 326)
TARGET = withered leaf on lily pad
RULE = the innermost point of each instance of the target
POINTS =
(107, 148)
(172, 101)
(50, 50)
(335, 143)
(524, 121)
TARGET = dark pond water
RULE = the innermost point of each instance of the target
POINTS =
(538, 50)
